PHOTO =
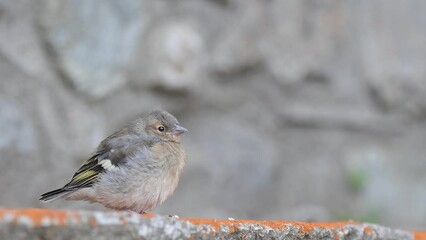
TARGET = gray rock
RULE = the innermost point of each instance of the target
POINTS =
(238, 47)
(16, 131)
(92, 41)
(392, 63)
(125, 225)
(19, 42)
(171, 57)
(44, 134)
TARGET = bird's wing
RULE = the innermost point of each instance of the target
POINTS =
(86, 175)
(111, 153)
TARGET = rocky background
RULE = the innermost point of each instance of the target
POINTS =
(297, 110)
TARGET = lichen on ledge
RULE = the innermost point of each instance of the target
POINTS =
(62, 224)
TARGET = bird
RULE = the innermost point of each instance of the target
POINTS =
(135, 168)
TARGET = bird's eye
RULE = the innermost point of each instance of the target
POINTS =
(161, 128)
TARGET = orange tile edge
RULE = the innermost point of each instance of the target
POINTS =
(39, 217)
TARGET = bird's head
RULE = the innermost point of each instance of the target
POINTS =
(164, 125)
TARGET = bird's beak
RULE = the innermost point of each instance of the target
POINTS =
(178, 130)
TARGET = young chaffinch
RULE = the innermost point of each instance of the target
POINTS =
(136, 168)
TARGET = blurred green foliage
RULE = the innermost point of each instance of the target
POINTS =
(371, 216)
(357, 179)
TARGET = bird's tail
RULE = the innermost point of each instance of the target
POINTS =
(55, 194)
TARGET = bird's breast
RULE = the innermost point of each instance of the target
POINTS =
(170, 152)
(173, 158)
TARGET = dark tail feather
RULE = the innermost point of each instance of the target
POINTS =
(55, 194)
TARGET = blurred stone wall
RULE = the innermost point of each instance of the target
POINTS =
(297, 110)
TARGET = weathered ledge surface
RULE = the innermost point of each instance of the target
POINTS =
(59, 224)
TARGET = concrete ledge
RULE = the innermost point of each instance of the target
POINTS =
(56, 224)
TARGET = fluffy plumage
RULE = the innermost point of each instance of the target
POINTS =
(136, 168)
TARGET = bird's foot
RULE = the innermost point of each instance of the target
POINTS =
(147, 214)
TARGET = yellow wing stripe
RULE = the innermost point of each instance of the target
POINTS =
(84, 175)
